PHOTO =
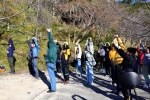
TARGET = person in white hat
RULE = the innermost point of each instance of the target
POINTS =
(78, 54)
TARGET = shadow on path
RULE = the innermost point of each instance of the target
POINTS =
(101, 83)
(59, 77)
(44, 78)
(98, 88)
(74, 97)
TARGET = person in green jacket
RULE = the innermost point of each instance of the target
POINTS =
(50, 59)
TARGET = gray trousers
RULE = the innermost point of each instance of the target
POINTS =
(145, 74)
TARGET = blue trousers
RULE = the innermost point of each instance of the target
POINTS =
(58, 67)
(78, 65)
(35, 67)
(89, 73)
(50, 68)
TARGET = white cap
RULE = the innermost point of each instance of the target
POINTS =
(66, 43)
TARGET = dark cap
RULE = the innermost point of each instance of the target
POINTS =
(131, 50)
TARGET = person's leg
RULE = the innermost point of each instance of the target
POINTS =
(126, 93)
(101, 64)
(63, 71)
(130, 94)
(35, 68)
(87, 72)
(10, 60)
(112, 72)
(57, 66)
(67, 73)
(14, 61)
(30, 66)
(76, 67)
(108, 64)
(91, 77)
(145, 74)
(79, 65)
(106, 67)
(140, 68)
(117, 79)
(51, 73)
(102, 61)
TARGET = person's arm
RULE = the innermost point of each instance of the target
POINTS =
(50, 37)
(91, 46)
(124, 55)
(86, 42)
(121, 43)
(120, 50)
(29, 44)
(36, 44)
(143, 49)
(80, 50)
(75, 56)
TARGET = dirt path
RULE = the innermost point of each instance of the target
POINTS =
(24, 87)
(20, 87)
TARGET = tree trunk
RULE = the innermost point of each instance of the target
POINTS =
(37, 15)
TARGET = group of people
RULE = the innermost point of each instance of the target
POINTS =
(113, 57)
(88, 60)
(59, 56)
(53, 57)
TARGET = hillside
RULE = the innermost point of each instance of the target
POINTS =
(70, 20)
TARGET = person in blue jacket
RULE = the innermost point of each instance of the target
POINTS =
(50, 60)
(10, 56)
(34, 56)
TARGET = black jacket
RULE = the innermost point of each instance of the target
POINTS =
(128, 60)
(59, 50)
(107, 53)
(63, 60)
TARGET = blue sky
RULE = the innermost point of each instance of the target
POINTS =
(122, 0)
(148, 0)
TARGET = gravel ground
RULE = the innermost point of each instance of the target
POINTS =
(24, 87)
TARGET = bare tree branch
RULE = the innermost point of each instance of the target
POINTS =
(19, 12)
(133, 21)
